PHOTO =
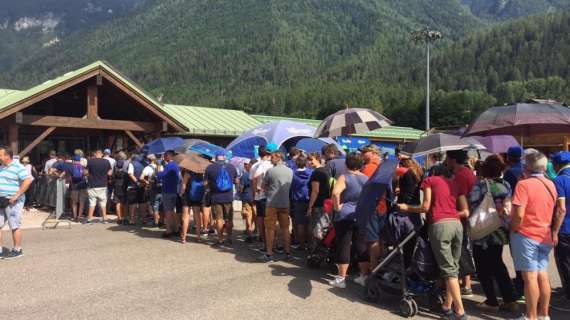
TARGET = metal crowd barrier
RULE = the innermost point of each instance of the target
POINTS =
(51, 192)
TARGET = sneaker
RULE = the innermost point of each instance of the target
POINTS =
(361, 280)
(104, 222)
(14, 254)
(338, 282)
(522, 317)
(460, 317)
(86, 221)
(521, 300)
(447, 314)
(484, 306)
(512, 307)
(466, 292)
(543, 317)
(279, 250)
(266, 258)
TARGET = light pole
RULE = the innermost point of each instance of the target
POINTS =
(427, 36)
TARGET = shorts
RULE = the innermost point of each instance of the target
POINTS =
(187, 202)
(529, 254)
(247, 211)
(223, 211)
(78, 196)
(119, 198)
(260, 207)
(374, 226)
(156, 202)
(207, 199)
(169, 201)
(272, 215)
(13, 214)
(445, 239)
(300, 213)
(135, 196)
(97, 196)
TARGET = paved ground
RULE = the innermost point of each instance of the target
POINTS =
(111, 272)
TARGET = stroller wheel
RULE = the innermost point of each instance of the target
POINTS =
(372, 289)
(313, 262)
(408, 307)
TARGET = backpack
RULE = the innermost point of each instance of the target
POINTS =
(196, 191)
(77, 173)
(224, 181)
(138, 169)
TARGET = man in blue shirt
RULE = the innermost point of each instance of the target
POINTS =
(561, 221)
(170, 177)
(515, 171)
(14, 181)
(220, 178)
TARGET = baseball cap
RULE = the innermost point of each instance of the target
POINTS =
(562, 157)
(107, 151)
(76, 158)
(515, 152)
(220, 154)
(271, 147)
(151, 157)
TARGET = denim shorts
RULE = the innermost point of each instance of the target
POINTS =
(169, 201)
(528, 254)
(13, 214)
(156, 202)
(374, 226)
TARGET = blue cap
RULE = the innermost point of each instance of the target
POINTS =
(515, 152)
(220, 154)
(271, 147)
(77, 158)
(562, 157)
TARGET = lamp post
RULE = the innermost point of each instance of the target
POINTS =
(427, 36)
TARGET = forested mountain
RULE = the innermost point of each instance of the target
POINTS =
(307, 57)
(27, 26)
(506, 9)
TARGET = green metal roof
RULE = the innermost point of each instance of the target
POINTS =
(211, 121)
(392, 132)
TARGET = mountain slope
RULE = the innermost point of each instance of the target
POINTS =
(506, 9)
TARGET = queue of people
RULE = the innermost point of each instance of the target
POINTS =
(285, 201)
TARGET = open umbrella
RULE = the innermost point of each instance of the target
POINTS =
(283, 133)
(315, 144)
(351, 121)
(379, 185)
(440, 142)
(192, 162)
(162, 145)
(498, 143)
(207, 149)
(188, 143)
(522, 119)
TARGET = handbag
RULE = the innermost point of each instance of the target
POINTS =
(485, 218)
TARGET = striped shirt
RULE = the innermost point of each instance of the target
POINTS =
(11, 177)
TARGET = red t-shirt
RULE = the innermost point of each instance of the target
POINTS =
(465, 180)
(369, 168)
(538, 204)
(443, 198)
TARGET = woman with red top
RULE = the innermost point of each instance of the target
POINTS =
(444, 207)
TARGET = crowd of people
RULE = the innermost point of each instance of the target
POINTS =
(286, 198)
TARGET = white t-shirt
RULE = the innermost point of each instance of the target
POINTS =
(112, 161)
(49, 164)
(258, 171)
(148, 171)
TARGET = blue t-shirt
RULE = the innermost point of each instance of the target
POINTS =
(170, 178)
(562, 183)
(66, 167)
(514, 174)
(211, 175)
(246, 194)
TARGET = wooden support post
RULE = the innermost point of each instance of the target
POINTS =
(135, 140)
(92, 102)
(566, 143)
(13, 137)
(36, 141)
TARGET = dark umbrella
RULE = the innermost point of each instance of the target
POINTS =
(440, 142)
(498, 143)
(192, 162)
(522, 119)
(351, 121)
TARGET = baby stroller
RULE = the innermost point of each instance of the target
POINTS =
(408, 269)
(322, 245)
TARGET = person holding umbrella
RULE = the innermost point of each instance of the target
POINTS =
(169, 173)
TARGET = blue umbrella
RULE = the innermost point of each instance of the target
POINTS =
(207, 149)
(283, 133)
(379, 184)
(315, 144)
(162, 145)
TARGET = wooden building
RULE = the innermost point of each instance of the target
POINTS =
(92, 107)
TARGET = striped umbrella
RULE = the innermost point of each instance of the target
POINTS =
(351, 121)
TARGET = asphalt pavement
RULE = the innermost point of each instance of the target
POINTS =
(114, 272)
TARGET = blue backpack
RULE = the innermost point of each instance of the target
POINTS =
(224, 180)
(77, 173)
(196, 191)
